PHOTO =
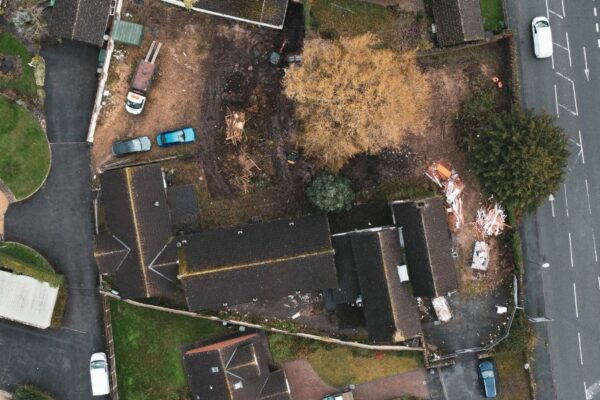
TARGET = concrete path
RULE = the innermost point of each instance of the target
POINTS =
(57, 222)
(304, 381)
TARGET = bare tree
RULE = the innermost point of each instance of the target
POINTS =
(353, 98)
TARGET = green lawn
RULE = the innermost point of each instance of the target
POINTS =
(514, 379)
(147, 347)
(342, 365)
(492, 14)
(25, 84)
(24, 150)
(24, 260)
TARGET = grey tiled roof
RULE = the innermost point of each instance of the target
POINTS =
(136, 211)
(256, 261)
(457, 21)
(82, 20)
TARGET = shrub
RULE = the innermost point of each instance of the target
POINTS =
(331, 193)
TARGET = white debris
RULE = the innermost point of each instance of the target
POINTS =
(490, 220)
(481, 256)
(442, 309)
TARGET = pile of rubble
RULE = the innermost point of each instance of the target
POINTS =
(490, 221)
(443, 175)
(235, 123)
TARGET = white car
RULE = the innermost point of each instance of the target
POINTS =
(99, 374)
(542, 37)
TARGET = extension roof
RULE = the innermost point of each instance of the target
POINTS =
(82, 20)
(257, 261)
(367, 263)
(134, 245)
(457, 21)
(234, 368)
(427, 245)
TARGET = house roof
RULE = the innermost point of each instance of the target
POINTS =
(109, 252)
(136, 216)
(26, 300)
(183, 207)
(83, 20)
(427, 245)
(457, 21)
(257, 261)
(390, 310)
(235, 368)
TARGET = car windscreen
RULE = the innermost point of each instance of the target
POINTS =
(135, 106)
(99, 364)
(487, 374)
(542, 24)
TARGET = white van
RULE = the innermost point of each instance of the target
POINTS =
(99, 374)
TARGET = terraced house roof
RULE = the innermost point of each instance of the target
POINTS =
(257, 261)
(134, 244)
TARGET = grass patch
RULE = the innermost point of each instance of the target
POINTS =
(147, 346)
(28, 392)
(340, 366)
(26, 261)
(520, 338)
(514, 379)
(24, 150)
(493, 17)
(334, 18)
(25, 84)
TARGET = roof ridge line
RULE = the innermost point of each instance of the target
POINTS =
(255, 263)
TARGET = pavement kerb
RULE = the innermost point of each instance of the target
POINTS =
(265, 328)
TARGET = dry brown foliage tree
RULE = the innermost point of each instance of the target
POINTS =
(354, 98)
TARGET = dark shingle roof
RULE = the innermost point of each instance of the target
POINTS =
(390, 309)
(257, 261)
(427, 245)
(109, 253)
(266, 12)
(234, 368)
(457, 21)
(183, 206)
(83, 20)
(136, 215)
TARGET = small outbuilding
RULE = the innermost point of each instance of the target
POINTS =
(82, 20)
(457, 21)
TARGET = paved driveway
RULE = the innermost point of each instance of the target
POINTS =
(57, 222)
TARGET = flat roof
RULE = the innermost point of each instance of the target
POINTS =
(26, 300)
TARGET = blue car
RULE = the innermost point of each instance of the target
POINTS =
(487, 371)
(180, 136)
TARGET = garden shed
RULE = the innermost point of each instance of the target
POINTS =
(127, 32)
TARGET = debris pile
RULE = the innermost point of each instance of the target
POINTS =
(443, 175)
(481, 256)
(442, 309)
(248, 165)
(235, 122)
(490, 221)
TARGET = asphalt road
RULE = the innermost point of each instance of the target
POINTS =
(566, 232)
(56, 221)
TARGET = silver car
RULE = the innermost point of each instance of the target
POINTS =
(129, 146)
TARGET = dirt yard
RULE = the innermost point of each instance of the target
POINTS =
(211, 67)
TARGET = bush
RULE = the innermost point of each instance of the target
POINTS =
(28, 392)
(518, 157)
(331, 193)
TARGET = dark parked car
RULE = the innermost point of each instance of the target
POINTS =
(180, 136)
(487, 372)
(130, 146)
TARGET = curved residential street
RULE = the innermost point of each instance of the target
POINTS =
(57, 222)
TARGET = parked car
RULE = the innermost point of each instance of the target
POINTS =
(542, 37)
(130, 146)
(179, 136)
(487, 372)
(99, 374)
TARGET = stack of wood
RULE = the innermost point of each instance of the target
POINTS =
(490, 220)
(443, 175)
(235, 122)
(248, 165)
